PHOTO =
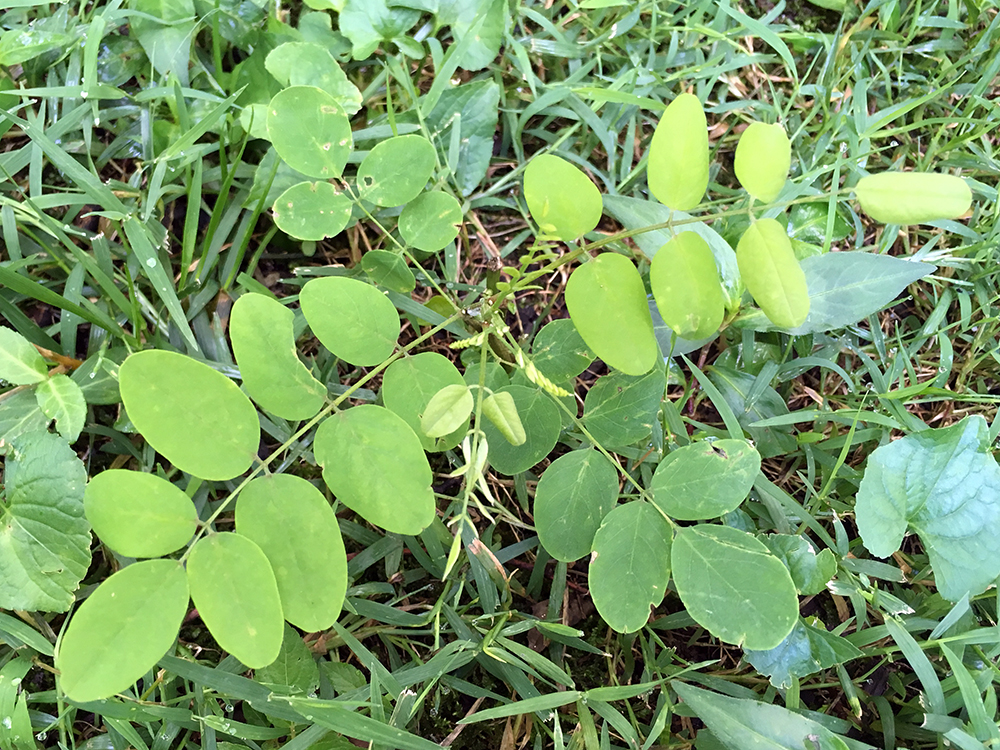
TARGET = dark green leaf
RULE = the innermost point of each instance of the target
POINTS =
(540, 418)
(622, 409)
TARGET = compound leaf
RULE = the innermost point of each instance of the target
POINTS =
(195, 416)
(943, 484)
(122, 629)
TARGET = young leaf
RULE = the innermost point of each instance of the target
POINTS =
(500, 409)
(743, 724)
(772, 274)
(195, 416)
(631, 565)
(262, 332)
(733, 586)
(607, 304)
(942, 484)
(62, 400)
(352, 319)
(559, 351)
(706, 479)
(312, 210)
(572, 498)
(805, 651)
(294, 669)
(310, 131)
(233, 589)
(447, 411)
(122, 629)
(561, 198)
(430, 221)
(913, 197)
(685, 284)
(408, 386)
(20, 362)
(763, 158)
(44, 538)
(540, 417)
(139, 515)
(622, 409)
(396, 170)
(677, 171)
(373, 462)
(296, 529)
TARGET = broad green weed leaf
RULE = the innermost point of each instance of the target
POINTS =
(262, 332)
(195, 416)
(20, 362)
(733, 586)
(810, 571)
(607, 304)
(352, 319)
(15, 729)
(139, 515)
(622, 409)
(677, 169)
(310, 131)
(62, 400)
(311, 64)
(631, 565)
(447, 411)
(735, 386)
(430, 222)
(389, 271)
(561, 198)
(368, 22)
(685, 284)
(20, 44)
(763, 158)
(233, 589)
(312, 210)
(19, 414)
(846, 287)
(805, 651)
(477, 106)
(167, 42)
(408, 386)
(500, 409)
(559, 352)
(122, 629)
(98, 385)
(295, 667)
(573, 496)
(742, 724)
(396, 170)
(295, 527)
(706, 479)
(943, 484)
(772, 274)
(913, 197)
(374, 463)
(542, 424)
(44, 537)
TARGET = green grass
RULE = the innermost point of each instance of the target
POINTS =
(134, 208)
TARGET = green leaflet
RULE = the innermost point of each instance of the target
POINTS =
(310, 131)
(631, 565)
(262, 333)
(772, 274)
(562, 200)
(233, 589)
(447, 411)
(620, 409)
(312, 210)
(685, 284)
(352, 319)
(431, 221)
(122, 629)
(396, 170)
(573, 496)
(20, 362)
(389, 271)
(373, 462)
(677, 171)
(607, 304)
(763, 158)
(195, 416)
(408, 386)
(295, 527)
(540, 418)
(943, 484)
(559, 351)
(733, 586)
(139, 515)
(44, 537)
(913, 197)
(706, 479)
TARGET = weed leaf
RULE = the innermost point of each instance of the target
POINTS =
(805, 651)
(295, 668)
(622, 409)
(61, 399)
(20, 362)
(310, 131)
